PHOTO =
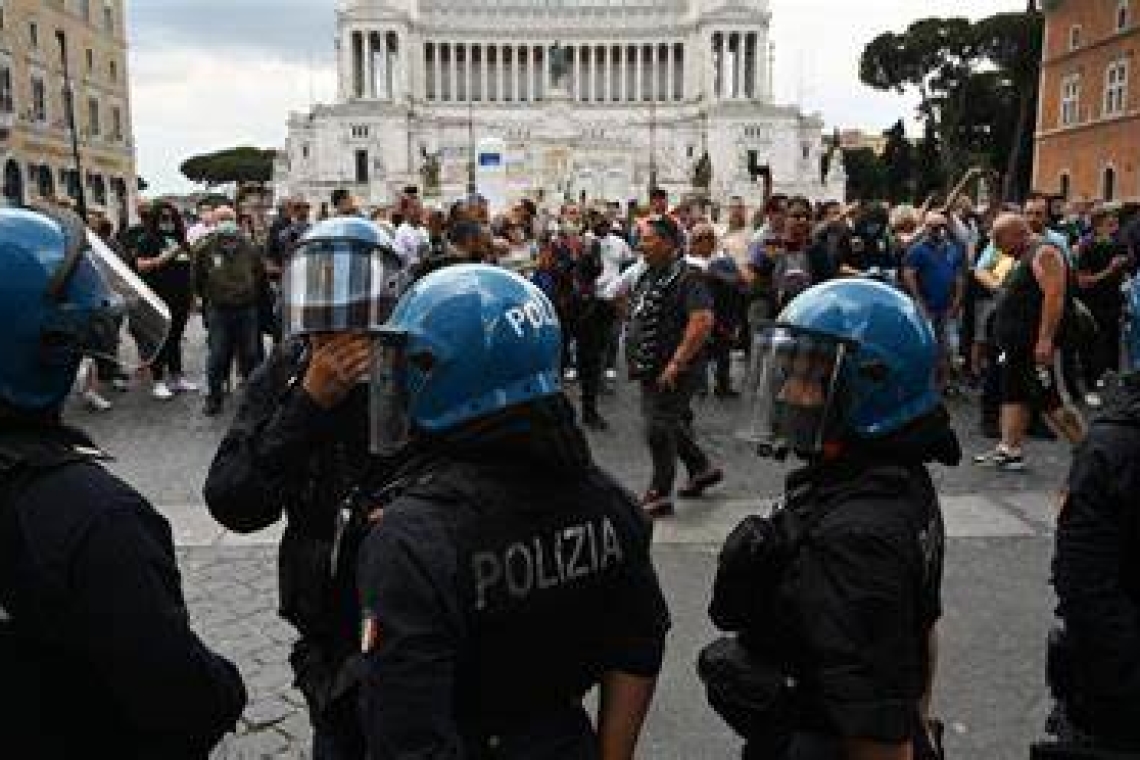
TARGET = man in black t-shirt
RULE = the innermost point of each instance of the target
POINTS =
(671, 320)
(1102, 264)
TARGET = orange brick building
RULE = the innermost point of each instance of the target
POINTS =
(1088, 123)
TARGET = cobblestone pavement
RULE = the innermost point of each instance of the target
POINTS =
(991, 690)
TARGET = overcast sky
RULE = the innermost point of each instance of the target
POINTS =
(211, 74)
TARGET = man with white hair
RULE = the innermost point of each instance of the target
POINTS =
(204, 226)
(1027, 329)
(228, 275)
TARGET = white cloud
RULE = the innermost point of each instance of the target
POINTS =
(192, 99)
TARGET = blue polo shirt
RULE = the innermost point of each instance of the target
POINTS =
(938, 267)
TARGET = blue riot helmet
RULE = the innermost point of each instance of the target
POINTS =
(846, 360)
(464, 343)
(343, 276)
(63, 295)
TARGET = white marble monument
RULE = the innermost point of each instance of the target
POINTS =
(587, 97)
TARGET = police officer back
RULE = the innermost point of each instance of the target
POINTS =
(96, 653)
(508, 575)
(299, 447)
(836, 595)
(1095, 660)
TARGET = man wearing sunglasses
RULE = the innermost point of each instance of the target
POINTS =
(671, 320)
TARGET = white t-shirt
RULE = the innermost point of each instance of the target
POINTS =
(623, 285)
(737, 244)
(198, 231)
(411, 243)
(615, 254)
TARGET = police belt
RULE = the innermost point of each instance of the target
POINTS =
(533, 735)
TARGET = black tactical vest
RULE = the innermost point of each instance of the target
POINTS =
(655, 325)
(538, 579)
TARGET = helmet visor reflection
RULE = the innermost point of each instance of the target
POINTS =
(792, 390)
(130, 303)
(389, 407)
(339, 285)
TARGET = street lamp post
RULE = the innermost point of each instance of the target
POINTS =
(80, 195)
(652, 143)
(471, 187)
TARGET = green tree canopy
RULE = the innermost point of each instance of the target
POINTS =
(977, 85)
(240, 165)
(866, 176)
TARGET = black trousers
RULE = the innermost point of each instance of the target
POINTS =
(1105, 354)
(668, 416)
(722, 363)
(169, 356)
(593, 331)
(233, 333)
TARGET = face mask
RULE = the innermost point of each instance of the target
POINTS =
(167, 228)
(571, 228)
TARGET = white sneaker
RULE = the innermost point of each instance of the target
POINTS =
(611, 374)
(570, 375)
(161, 391)
(1093, 401)
(95, 402)
(121, 384)
(182, 385)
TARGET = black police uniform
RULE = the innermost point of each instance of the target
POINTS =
(497, 590)
(97, 658)
(286, 455)
(1096, 573)
(852, 607)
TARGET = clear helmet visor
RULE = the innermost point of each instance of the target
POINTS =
(793, 391)
(389, 407)
(339, 285)
(128, 304)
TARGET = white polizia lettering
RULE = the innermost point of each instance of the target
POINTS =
(536, 312)
(546, 561)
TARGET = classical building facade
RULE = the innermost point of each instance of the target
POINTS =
(36, 158)
(1088, 128)
(555, 99)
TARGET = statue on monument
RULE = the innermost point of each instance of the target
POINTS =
(430, 173)
(559, 65)
(702, 173)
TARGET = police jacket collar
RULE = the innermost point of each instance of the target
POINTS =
(926, 440)
(24, 435)
(541, 435)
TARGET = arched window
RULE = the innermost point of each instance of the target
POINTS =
(1108, 184)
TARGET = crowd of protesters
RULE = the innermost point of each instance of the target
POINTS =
(956, 261)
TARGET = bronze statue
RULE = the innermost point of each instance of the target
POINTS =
(559, 64)
(430, 171)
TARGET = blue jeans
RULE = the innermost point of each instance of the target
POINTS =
(233, 333)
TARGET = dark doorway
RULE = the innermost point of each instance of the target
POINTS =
(13, 183)
(45, 183)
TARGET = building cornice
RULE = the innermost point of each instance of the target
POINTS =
(1104, 121)
(1111, 39)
